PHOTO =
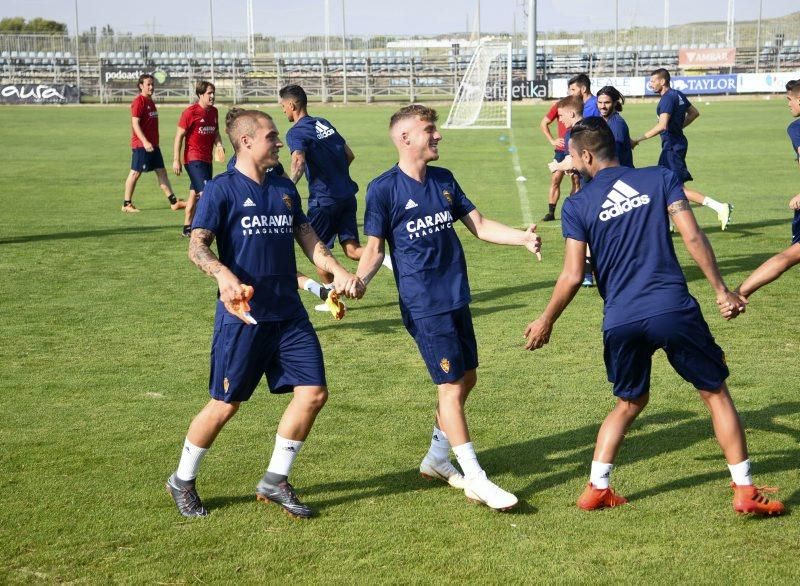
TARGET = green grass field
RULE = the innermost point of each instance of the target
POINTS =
(106, 328)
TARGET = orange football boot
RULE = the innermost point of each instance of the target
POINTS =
(749, 499)
(599, 498)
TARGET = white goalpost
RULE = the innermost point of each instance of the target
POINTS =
(483, 99)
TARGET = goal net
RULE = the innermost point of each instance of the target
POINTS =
(483, 99)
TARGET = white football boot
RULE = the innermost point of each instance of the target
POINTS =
(444, 471)
(481, 490)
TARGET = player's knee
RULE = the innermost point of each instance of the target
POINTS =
(223, 411)
(315, 398)
(470, 380)
(632, 407)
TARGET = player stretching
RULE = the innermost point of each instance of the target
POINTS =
(255, 219)
(675, 113)
(199, 126)
(321, 153)
(146, 155)
(413, 207)
(783, 261)
(623, 214)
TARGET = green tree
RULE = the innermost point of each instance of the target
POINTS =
(41, 25)
(12, 25)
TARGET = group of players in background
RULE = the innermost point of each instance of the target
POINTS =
(623, 215)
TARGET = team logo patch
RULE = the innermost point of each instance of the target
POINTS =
(448, 196)
(288, 201)
(226, 384)
(445, 364)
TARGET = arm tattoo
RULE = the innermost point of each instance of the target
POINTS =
(679, 206)
(200, 252)
(305, 228)
(326, 254)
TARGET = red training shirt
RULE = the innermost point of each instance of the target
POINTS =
(201, 131)
(553, 115)
(144, 108)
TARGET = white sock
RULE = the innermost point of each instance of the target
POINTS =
(600, 474)
(440, 445)
(740, 473)
(313, 287)
(191, 456)
(713, 204)
(283, 455)
(467, 459)
(387, 261)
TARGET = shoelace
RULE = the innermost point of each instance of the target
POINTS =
(190, 498)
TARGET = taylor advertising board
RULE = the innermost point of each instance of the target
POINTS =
(702, 85)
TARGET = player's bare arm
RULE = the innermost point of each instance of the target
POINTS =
(219, 152)
(692, 114)
(730, 304)
(537, 334)
(544, 126)
(661, 126)
(497, 233)
(321, 256)
(137, 130)
(371, 258)
(176, 150)
(794, 203)
(200, 253)
(298, 166)
(349, 155)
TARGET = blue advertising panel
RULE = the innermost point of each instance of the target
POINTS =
(702, 85)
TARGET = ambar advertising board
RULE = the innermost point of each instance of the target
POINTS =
(706, 58)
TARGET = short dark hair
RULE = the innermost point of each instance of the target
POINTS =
(295, 93)
(582, 80)
(240, 122)
(661, 73)
(425, 114)
(793, 87)
(616, 97)
(144, 76)
(201, 86)
(594, 135)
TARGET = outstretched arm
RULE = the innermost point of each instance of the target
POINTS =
(372, 257)
(730, 304)
(661, 126)
(538, 332)
(318, 253)
(497, 233)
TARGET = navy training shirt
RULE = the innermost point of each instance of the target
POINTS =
(327, 170)
(416, 220)
(254, 228)
(590, 107)
(675, 104)
(622, 215)
(794, 135)
(622, 139)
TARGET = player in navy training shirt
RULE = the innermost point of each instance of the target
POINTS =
(413, 208)
(783, 261)
(321, 153)
(623, 214)
(256, 217)
(610, 102)
(580, 85)
(675, 112)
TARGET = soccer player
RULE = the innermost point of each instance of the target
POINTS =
(146, 155)
(610, 102)
(783, 261)
(675, 112)
(260, 326)
(199, 126)
(413, 207)
(623, 214)
(322, 154)
(580, 85)
(556, 177)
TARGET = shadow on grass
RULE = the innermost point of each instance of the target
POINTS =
(86, 234)
(747, 228)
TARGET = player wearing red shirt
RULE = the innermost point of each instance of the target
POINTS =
(146, 155)
(199, 126)
(560, 153)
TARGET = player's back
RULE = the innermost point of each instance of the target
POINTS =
(622, 215)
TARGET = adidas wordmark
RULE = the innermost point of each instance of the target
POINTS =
(621, 199)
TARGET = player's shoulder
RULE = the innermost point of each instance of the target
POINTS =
(440, 173)
(794, 127)
(384, 181)
(282, 182)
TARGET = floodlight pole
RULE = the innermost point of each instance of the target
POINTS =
(531, 69)
(729, 34)
(77, 52)
(344, 58)
(616, 32)
(327, 27)
(666, 23)
(251, 40)
(211, 23)
(758, 37)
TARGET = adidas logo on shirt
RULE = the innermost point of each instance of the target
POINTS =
(621, 199)
(249, 203)
(411, 204)
(323, 131)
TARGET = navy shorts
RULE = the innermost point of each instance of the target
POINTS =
(559, 156)
(330, 220)
(796, 227)
(287, 352)
(683, 335)
(199, 173)
(446, 342)
(145, 162)
(675, 161)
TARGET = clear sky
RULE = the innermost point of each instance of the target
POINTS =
(371, 17)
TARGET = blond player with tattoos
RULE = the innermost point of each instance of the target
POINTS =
(623, 214)
(261, 327)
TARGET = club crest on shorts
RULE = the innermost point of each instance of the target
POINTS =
(226, 384)
(445, 364)
(288, 201)
(448, 196)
